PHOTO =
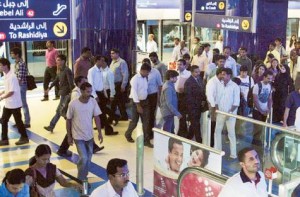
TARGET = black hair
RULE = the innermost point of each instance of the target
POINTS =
(85, 85)
(260, 65)
(228, 71)
(221, 57)
(177, 39)
(62, 57)
(197, 38)
(219, 71)
(186, 56)
(267, 72)
(171, 74)
(85, 49)
(99, 57)
(216, 50)
(16, 51)
(242, 153)
(146, 60)
(243, 49)
(42, 149)
(52, 42)
(115, 50)
(153, 54)
(227, 47)
(173, 141)
(114, 164)
(182, 61)
(278, 39)
(78, 79)
(15, 176)
(206, 45)
(270, 55)
(205, 155)
(193, 68)
(5, 62)
(146, 66)
(244, 68)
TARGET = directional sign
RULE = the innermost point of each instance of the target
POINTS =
(216, 7)
(29, 20)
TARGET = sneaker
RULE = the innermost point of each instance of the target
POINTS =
(4, 142)
(22, 141)
(48, 128)
(64, 154)
(97, 149)
(148, 144)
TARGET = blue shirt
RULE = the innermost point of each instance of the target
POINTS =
(154, 81)
(23, 193)
(292, 102)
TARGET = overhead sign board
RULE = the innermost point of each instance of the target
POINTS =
(217, 7)
(158, 4)
(232, 23)
(24, 20)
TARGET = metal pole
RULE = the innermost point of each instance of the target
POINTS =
(270, 130)
(140, 159)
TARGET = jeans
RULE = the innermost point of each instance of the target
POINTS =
(230, 124)
(64, 147)
(18, 119)
(50, 73)
(85, 152)
(23, 88)
(169, 124)
(56, 117)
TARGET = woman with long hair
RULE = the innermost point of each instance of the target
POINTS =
(292, 42)
(258, 73)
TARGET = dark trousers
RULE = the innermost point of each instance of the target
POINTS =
(212, 133)
(135, 119)
(105, 110)
(257, 129)
(119, 101)
(18, 119)
(182, 130)
(195, 126)
(50, 74)
(152, 105)
(65, 145)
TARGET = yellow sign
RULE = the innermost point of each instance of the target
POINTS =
(245, 24)
(221, 5)
(188, 16)
(60, 29)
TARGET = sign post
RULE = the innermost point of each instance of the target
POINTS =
(24, 20)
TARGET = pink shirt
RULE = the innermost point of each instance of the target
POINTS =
(50, 57)
(81, 67)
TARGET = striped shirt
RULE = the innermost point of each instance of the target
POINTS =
(21, 71)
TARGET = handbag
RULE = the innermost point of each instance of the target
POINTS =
(33, 189)
(30, 82)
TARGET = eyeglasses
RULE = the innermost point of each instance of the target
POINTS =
(123, 175)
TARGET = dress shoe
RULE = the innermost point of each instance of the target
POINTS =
(148, 144)
(64, 154)
(130, 140)
(45, 99)
(4, 142)
(56, 98)
(22, 141)
(112, 133)
(48, 128)
(97, 149)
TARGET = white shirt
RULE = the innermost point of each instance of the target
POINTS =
(236, 187)
(183, 76)
(227, 96)
(95, 78)
(75, 93)
(139, 88)
(108, 80)
(106, 190)
(81, 115)
(178, 53)
(264, 95)
(245, 86)
(151, 46)
(209, 56)
(200, 61)
(231, 63)
(11, 84)
(219, 45)
(211, 90)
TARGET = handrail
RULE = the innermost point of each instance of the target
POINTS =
(289, 131)
(189, 141)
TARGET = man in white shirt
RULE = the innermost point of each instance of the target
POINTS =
(138, 94)
(180, 51)
(151, 44)
(80, 127)
(95, 78)
(228, 100)
(230, 62)
(200, 59)
(211, 95)
(179, 87)
(281, 50)
(250, 182)
(176, 46)
(118, 184)
(208, 53)
(13, 104)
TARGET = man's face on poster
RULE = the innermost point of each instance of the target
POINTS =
(176, 157)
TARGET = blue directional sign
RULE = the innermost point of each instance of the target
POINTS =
(29, 20)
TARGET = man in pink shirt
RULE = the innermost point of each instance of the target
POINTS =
(83, 63)
(51, 68)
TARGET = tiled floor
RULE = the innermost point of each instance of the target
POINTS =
(41, 113)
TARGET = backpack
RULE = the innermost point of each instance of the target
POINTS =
(250, 101)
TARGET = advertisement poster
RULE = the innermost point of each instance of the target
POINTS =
(171, 156)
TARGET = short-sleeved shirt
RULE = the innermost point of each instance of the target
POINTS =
(50, 57)
(245, 86)
(81, 115)
(11, 84)
(292, 102)
(264, 95)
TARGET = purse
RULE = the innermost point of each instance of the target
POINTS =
(33, 189)
(30, 82)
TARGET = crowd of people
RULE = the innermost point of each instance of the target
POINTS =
(205, 80)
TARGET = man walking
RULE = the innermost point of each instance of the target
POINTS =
(80, 128)
(13, 104)
(83, 63)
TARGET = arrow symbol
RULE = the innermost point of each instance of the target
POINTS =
(61, 30)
